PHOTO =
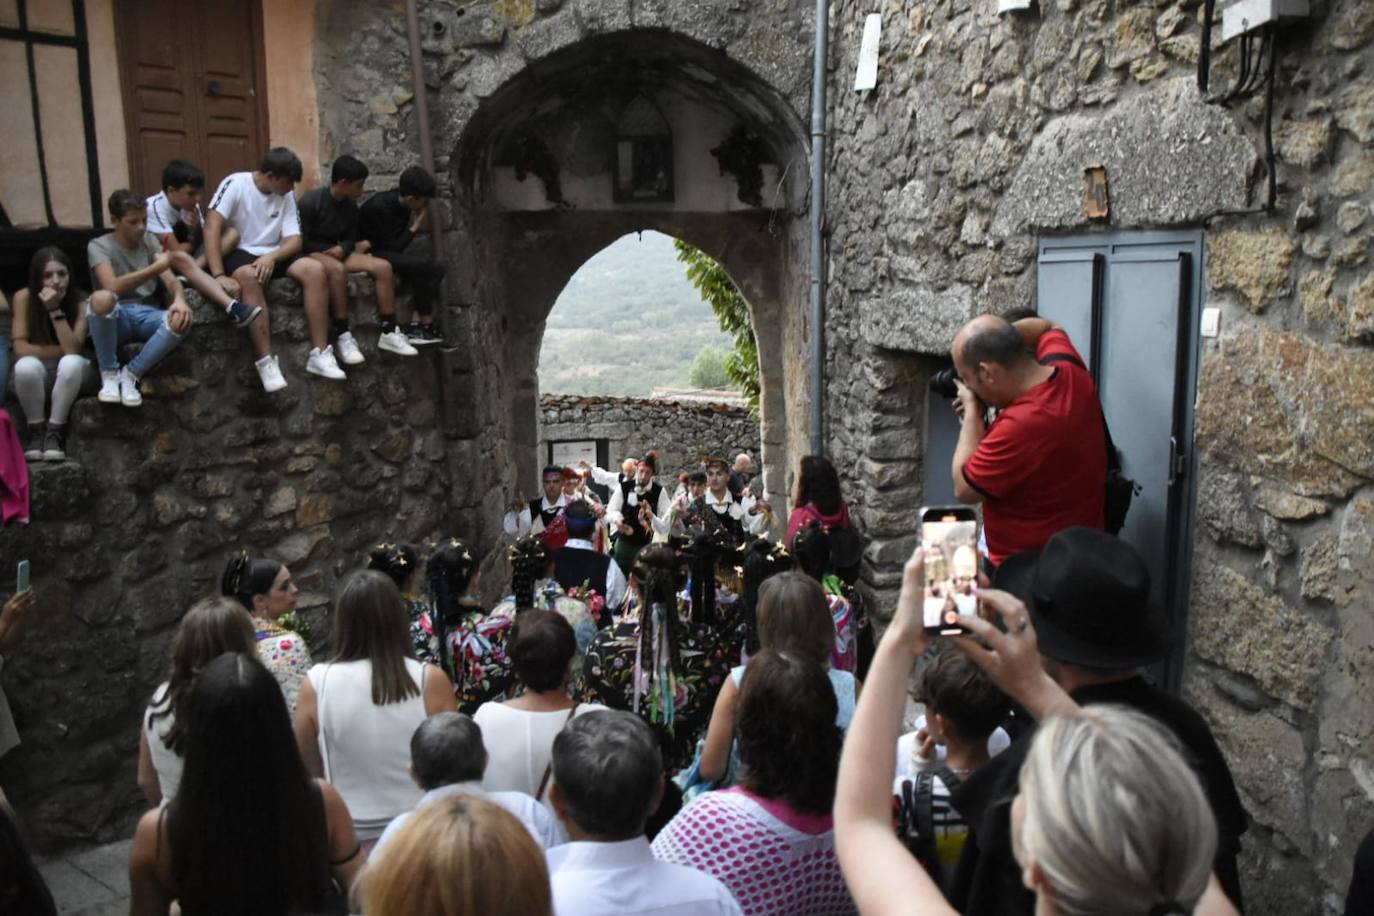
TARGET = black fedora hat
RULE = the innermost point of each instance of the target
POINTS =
(1089, 598)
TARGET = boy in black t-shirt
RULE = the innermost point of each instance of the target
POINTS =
(388, 221)
(329, 233)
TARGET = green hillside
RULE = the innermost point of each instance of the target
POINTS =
(627, 321)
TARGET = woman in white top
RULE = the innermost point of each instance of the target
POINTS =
(356, 713)
(209, 629)
(519, 733)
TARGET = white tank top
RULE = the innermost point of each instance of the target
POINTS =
(165, 761)
(366, 748)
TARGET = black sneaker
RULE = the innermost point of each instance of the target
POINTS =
(242, 313)
(55, 444)
(423, 335)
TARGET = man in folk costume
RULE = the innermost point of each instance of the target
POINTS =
(746, 515)
(539, 515)
(579, 565)
(638, 510)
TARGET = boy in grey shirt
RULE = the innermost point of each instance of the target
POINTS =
(126, 265)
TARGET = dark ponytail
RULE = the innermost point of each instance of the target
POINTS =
(245, 578)
(811, 547)
(448, 572)
(762, 559)
(529, 559)
(396, 560)
(655, 571)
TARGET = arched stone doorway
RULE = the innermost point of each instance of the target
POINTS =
(534, 174)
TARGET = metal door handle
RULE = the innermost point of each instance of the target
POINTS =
(212, 89)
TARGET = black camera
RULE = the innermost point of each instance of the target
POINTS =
(942, 383)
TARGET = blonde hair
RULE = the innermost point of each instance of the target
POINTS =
(1114, 817)
(460, 856)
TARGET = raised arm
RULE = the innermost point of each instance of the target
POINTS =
(882, 875)
(1032, 328)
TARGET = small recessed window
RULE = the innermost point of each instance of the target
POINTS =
(644, 154)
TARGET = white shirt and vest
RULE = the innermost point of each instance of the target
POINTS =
(542, 825)
(738, 512)
(366, 748)
(596, 879)
(525, 522)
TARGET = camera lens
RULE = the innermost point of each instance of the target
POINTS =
(942, 383)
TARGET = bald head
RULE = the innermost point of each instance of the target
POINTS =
(742, 462)
(990, 339)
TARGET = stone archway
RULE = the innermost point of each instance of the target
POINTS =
(529, 234)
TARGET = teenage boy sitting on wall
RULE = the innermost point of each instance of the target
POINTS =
(329, 229)
(126, 265)
(174, 213)
(389, 221)
(261, 207)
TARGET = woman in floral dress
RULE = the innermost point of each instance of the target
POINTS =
(656, 661)
(455, 630)
(400, 563)
(265, 589)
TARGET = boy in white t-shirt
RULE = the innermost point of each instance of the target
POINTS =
(175, 216)
(261, 207)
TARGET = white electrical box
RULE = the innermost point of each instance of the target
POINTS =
(866, 75)
(1012, 6)
(1247, 15)
(1211, 322)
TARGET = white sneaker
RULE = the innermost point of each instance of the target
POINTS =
(109, 387)
(128, 389)
(270, 373)
(322, 363)
(348, 350)
(396, 342)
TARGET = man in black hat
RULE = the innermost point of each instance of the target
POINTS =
(1088, 596)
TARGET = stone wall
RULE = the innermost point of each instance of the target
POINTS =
(681, 432)
(970, 148)
(137, 525)
(554, 76)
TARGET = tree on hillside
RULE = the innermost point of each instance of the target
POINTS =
(732, 313)
(708, 369)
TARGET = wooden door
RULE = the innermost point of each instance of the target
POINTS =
(190, 73)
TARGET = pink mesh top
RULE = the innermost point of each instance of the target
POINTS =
(773, 859)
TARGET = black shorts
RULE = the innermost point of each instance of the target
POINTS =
(240, 258)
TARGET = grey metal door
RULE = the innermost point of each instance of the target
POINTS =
(1129, 303)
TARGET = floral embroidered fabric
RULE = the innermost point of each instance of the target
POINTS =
(704, 659)
(285, 654)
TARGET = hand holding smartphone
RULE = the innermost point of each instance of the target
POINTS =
(949, 540)
(21, 579)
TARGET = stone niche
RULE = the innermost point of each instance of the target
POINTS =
(137, 525)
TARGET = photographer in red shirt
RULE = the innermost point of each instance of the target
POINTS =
(1041, 465)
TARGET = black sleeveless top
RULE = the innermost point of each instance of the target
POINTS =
(630, 513)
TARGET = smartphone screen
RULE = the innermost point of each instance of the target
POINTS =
(22, 576)
(949, 539)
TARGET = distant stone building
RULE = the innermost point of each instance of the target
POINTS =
(962, 183)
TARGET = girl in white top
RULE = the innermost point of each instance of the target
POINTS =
(209, 629)
(356, 713)
(519, 733)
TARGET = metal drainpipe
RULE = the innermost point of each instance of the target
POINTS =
(817, 312)
(417, 78)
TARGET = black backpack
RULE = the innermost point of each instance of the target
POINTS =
(915, 818)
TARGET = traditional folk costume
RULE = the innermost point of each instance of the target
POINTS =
(535, 517)
(735, 514)
(625, 506)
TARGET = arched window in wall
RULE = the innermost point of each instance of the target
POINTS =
(644, 154)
